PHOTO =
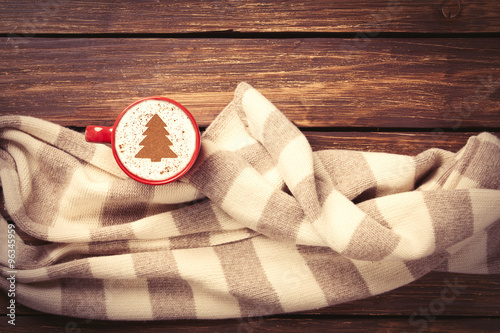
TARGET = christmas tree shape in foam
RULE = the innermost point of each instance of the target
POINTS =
(156, 143)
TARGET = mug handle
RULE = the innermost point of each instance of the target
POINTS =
(98, 134)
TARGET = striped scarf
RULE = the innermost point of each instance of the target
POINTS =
(260, 225)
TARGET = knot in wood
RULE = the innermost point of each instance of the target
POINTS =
(451, 8)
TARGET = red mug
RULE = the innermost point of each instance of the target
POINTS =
(155, 140)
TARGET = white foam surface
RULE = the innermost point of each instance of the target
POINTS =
(129, 134)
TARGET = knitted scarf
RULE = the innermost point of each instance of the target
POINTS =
(260, 225)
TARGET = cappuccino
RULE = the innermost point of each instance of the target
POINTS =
(155, 139)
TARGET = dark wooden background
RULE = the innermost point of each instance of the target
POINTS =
(394, 76)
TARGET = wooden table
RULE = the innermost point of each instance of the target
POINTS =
(394, 76)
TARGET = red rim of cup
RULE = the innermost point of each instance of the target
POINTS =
(177, 175)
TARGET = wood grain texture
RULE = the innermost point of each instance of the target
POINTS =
(406, 143)
(277, 324)
(179, 16)
(402, 83)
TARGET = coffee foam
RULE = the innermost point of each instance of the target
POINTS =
(129, 133)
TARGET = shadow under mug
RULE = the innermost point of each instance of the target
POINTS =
(155, 140)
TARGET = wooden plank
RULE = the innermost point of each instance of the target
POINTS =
(402, 83)
(50, 324)
(478, 296)
(407, 143)
(179, 16)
